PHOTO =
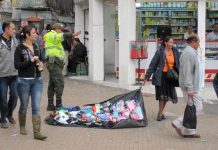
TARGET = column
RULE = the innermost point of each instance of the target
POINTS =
(127, 32)
(202, 29)
(96, 40)
(79, 20)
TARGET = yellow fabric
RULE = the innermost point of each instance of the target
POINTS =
(53, 44)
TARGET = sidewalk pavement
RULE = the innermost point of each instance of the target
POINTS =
(208, 93)
(156, 136)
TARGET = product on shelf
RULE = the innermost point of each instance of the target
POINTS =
(212, 14)
(177, 15)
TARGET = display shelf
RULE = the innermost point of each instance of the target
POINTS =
(213, 17)
(181, 25)
(212, 10)
(177, 33)
(154, 16)
(156, 24)
(167, 9)
(188, 17)
(168, 15)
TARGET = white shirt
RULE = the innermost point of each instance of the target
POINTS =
(212, 36)
(186, 35)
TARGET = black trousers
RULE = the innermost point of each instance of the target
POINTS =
(72, 65)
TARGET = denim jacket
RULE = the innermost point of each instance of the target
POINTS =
(157, 64)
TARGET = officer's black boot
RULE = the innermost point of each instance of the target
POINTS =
(58, 103)
(50, 106)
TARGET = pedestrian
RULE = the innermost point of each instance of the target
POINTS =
(67, 48)
(8, 74)
(27, 61)
(189, 32)
(47, 29)
(215, 84)
(214, 34)
(164, 88)
(39, 43)
(55, 56)
(79, 54)
(19, 32)
(190, 84)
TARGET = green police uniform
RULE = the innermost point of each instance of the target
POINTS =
(55, 62)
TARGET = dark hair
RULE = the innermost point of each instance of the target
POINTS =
(192, 38)
(166, 39)
(6, 25)
(26, 30)
(48, 27)
(189, 26)
(77, 39)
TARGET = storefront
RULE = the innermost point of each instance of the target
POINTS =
(144, 20)
(31, 12)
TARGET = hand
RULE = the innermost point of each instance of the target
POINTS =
(35, 58)
(191, 94)
(41, 65)
(77, 33)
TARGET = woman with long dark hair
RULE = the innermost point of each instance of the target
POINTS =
(166, 57)
(29, 65)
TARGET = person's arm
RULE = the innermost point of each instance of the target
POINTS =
(187, 69)
(68, 35)
(153, 65)
(18, 62)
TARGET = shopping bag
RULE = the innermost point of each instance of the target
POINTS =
(190, 118)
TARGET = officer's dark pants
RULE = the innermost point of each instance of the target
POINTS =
(56, 80)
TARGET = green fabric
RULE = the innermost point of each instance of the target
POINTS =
(37, 128)
(56, 80)
(53, 44)
(82, 69)
(22, 122)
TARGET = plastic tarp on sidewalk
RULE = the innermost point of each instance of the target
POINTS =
(122, 111)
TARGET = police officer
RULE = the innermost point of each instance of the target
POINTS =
(55, 56)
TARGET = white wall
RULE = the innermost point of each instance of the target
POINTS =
(109, 36)
(79, 21)
(96, 40)
(127, 33)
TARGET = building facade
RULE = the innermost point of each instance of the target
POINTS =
(90, 16)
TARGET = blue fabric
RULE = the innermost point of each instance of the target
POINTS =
(30, 88)
(77, 108)
(7, 107)
(157, 64)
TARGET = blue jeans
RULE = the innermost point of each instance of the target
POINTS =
(29, 88)
(215, 84)
(8, 106)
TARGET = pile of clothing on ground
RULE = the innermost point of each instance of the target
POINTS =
(119, 113)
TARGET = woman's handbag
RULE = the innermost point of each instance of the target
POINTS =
(171, 73)
(190, 117)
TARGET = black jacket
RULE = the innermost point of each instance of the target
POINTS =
(80, 52)
(157, 64)
(22, 62)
